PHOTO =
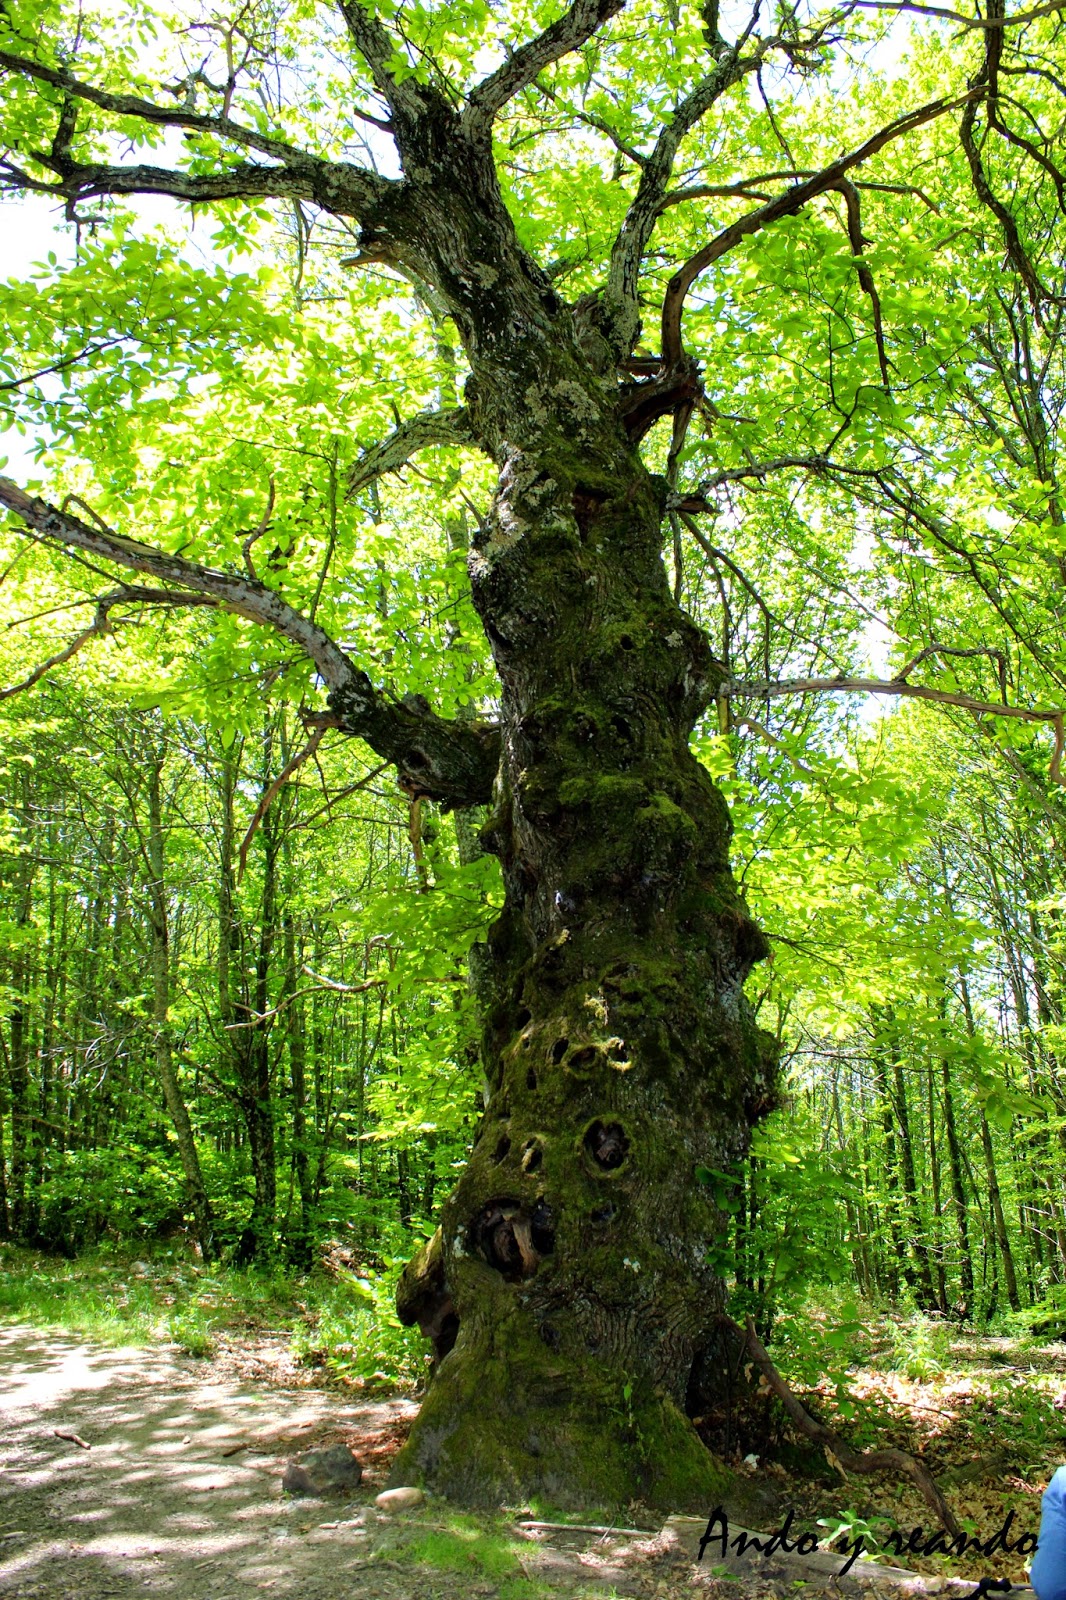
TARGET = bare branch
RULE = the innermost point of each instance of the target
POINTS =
(784, 205)
(990, 23)
(987, 78)
(131, 105)
(269, 795)
(259, 530)
(755, 469)
(96, 629)
(520, 69)
(866, 278)
(453, 762)
(336, 186)
(419, 433)
(900, 688)
(101, 625)
(59, 366)
(621, 302)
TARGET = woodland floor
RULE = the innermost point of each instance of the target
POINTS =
(179, 1495)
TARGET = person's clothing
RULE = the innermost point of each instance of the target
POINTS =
(1048, 1573)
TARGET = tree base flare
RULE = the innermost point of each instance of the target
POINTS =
(497, 1432)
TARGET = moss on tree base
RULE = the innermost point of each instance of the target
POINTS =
(494, 1433)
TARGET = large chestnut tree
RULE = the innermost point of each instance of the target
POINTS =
(577, 277)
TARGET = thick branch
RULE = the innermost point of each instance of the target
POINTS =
(429, 428)
(621, 303)
(408, 100)
(899, 687)
(453, 762)
(335, 186)
(568, 33)
(784, 205)
(1016, 250)
(131, 105)
(989, 22)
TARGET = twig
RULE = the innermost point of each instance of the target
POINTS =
(74, 1438)
(594, 1527)
(258, 531)
(268, 797)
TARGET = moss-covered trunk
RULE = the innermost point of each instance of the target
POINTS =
(568, 1292)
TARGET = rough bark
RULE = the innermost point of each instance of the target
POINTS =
(569, 1281)
(571, 1264)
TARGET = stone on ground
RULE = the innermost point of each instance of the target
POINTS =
(323, 1472)
(399, 1499)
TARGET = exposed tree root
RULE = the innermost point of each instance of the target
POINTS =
(838, 1453)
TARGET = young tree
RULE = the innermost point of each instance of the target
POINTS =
(568, 1289)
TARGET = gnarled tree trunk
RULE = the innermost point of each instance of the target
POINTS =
(568, 1292)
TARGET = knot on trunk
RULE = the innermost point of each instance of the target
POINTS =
(512, 1237)
(607, 1144)
(423, 1296)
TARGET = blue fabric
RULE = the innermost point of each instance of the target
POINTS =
(1048, 1574)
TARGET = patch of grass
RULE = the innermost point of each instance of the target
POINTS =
(332, 1320)
(480, 1550)
(191, 1332)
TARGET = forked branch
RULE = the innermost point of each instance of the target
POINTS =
(784, 205)
(453, 762)
(569, 32)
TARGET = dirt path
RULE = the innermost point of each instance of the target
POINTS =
(179, 1494)
(157, 1505)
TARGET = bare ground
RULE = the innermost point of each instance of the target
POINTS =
(163, 1501)
(179, 1491)
(143, 1472)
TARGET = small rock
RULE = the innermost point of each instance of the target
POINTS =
(323, 1472)
(399, 1499)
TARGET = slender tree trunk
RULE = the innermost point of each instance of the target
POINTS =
(899, 1265)
(24, 1208)
(995, 1198)
(934, 1179)
(910, 1188)
(301, 1242)
(159, 924)
(958, 1187)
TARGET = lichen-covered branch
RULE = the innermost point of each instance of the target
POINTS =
(450, 427)
(569, 32)
(452, 762)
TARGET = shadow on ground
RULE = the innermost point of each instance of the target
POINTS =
(180, 1490)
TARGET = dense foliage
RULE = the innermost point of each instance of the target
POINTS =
(238, 963)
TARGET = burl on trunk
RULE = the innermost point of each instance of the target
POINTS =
(567, 1292)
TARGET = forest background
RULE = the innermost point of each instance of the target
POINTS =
(234, 962)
